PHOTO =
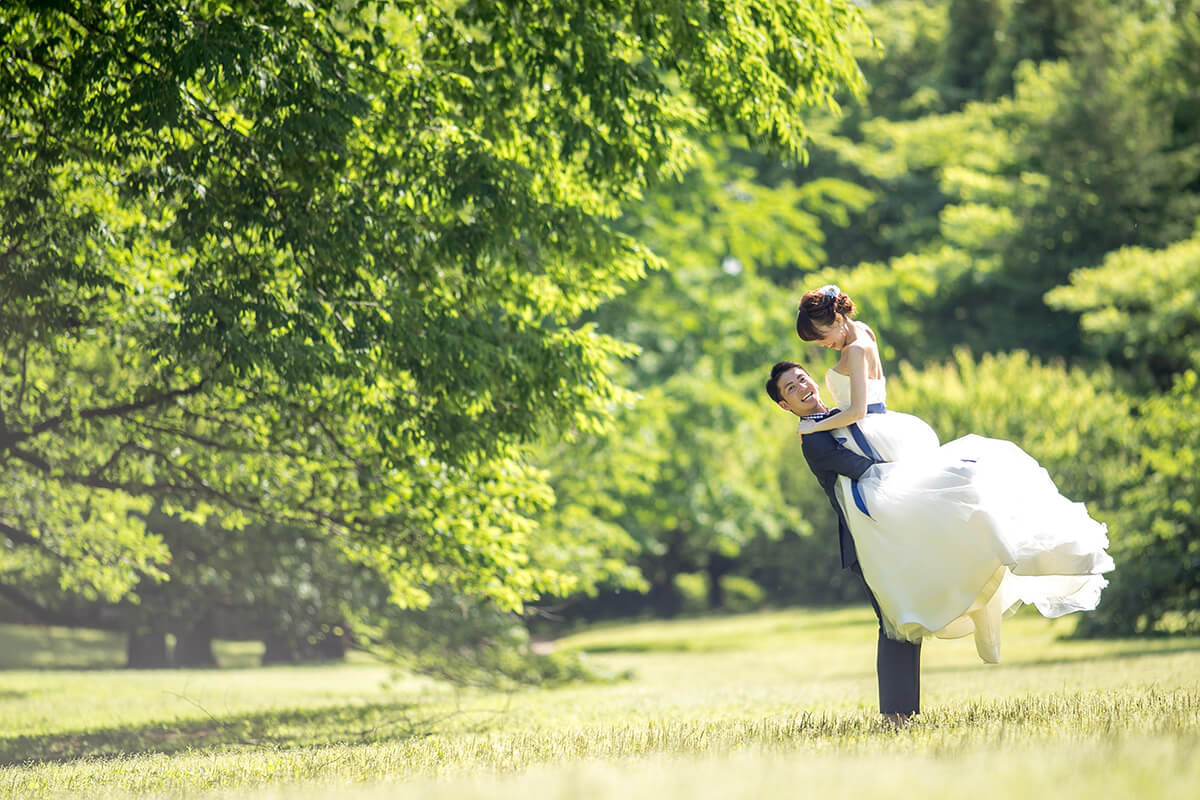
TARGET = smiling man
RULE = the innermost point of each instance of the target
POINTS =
(796, 389)
(897, 663)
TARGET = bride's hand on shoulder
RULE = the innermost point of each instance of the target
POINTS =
(805, 426)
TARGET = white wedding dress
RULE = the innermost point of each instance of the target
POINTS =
(952, 538)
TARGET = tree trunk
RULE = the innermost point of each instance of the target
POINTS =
(664, 595)
(194, 643)
(334, 644)
(279, 649)
(717, 567)
(146, 647)
(665, 599)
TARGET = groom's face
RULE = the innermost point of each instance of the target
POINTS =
(798, 393)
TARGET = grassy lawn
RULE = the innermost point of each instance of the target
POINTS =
(777, 704)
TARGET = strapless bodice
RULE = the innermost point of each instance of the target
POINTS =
(839, 387)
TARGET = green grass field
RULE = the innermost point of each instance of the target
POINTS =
(777, 704)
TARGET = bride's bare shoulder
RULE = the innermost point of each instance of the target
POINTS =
(868, 345)
(865, 341)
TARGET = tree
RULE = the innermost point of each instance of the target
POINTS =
(322, 264)
(969, 218)
(1156, 588)
(290, 589)
(1035, 31)
(1140, 310)
(969, 47)
(1083, 158)
(902, 62)
(690, 472)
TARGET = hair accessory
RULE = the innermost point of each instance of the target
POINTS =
(831, 291)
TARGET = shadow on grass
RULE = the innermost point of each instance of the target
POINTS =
(37, 647)
(270, 729)
(714, 642)
(1189, 646)
(825, 624)
(660, 646)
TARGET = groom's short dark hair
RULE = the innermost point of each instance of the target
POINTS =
(773, 381)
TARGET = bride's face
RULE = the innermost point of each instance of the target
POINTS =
(832, 336)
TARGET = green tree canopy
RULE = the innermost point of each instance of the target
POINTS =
(1141, 309)
(322, 263)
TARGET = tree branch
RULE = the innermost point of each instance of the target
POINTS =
(32, 459)
(20, 537)
(44, 615)
(24, 55)
(10, 438)
(202, 440)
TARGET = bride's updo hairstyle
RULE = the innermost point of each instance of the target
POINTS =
(821, 307)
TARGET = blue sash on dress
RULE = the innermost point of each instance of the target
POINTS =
(861, 440)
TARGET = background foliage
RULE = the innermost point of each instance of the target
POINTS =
(1013, 206)
(310, 278)
(308, 317)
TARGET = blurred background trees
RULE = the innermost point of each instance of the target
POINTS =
(1014, 206)
(310, 279)
(312, 321)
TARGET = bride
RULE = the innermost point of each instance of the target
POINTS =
(951, 538)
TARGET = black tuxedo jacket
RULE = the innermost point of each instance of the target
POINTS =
(828, 458)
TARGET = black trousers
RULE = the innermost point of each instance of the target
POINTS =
(897, 665)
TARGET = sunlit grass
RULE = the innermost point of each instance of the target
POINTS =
(772, 704)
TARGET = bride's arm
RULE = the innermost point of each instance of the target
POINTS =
(856, 359)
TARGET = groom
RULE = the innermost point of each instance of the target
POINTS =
(898, 664)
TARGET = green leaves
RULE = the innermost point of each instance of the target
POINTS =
(1139, 309)
(325, 265)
